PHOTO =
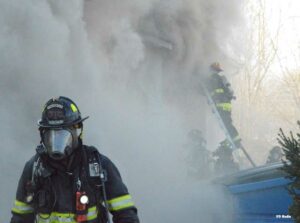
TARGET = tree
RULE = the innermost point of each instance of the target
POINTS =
(252, 111)
(291, 148)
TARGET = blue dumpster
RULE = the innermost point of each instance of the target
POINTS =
(260, 194)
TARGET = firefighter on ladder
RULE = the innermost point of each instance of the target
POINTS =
(222, 95)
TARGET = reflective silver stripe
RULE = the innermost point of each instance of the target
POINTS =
(120, 203)
(42, 220)
(62, 219)
(91, 213)
(28, 208)
(56, 217)
(22, 208)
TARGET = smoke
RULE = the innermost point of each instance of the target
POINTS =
(135, 68)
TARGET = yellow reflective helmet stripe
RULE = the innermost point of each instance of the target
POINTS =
(74, 108)
(57, 217)
(22, 208)
(120, 203)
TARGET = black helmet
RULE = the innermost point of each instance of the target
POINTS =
(59, 125)
(60, 112)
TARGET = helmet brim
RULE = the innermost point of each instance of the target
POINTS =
(44, 125)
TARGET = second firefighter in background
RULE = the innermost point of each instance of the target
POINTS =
(222, 95)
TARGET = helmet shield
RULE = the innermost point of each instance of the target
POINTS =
(58, 142)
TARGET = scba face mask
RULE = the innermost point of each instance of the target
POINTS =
(60, 143)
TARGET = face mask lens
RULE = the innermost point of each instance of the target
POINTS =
(56, 142)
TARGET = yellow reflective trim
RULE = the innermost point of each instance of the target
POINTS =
(41, 220)
(18, 211)
(121, 198)
(219, 90)
(44, 215)
(21, 204)
(127, 205)
(63, 215)
(56, 214)
(92, 217)
(74, 108)
(22, 208)
(121, 202)
(57, 217)
(225, 106)
(92, 213)
(94, 208)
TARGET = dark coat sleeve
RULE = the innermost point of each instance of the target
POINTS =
(22, 212)
(120, 202)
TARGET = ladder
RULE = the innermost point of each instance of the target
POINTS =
(212, 104)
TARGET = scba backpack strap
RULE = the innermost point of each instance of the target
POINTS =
(98, 174)
(40, 175)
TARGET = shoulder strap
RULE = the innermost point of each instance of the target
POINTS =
(94, 163)
(37, 172)
(96, 170)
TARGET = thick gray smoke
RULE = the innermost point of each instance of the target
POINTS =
(135, 68)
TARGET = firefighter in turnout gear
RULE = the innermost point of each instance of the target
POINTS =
(275, 155)
(222, 95)
(198, 158)
(67, 181)
(225, 163)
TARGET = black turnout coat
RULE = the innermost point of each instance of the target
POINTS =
(47, 190)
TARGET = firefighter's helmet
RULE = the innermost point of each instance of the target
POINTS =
(275, 155)
(60, 112)
(223, 151)
(216, 67)
(60, 127)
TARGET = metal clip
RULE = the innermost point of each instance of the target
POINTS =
(94, 169)
(78, 184)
